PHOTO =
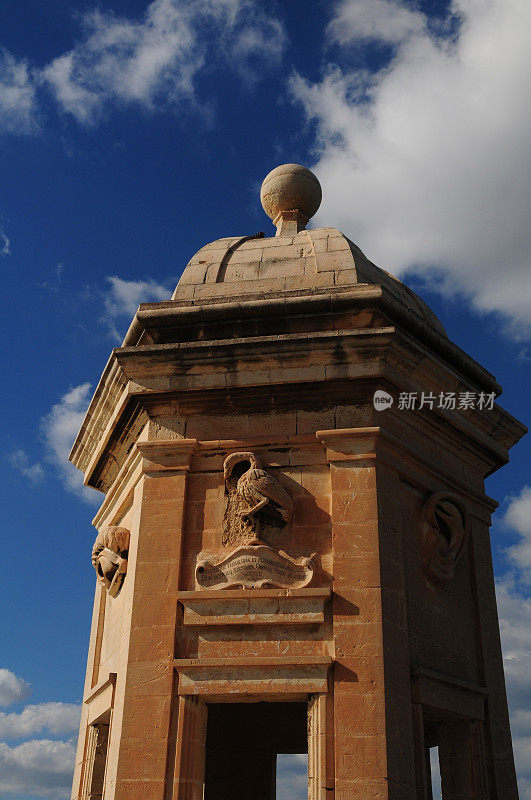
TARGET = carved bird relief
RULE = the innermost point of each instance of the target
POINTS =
(244, 473)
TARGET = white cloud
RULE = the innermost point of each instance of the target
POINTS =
(383, 20)
(518, 514)
(18, 107)
(124, 297)
(5, 246)
(152, 63)
(518, 517)
(38, 767)
(20, 461)
(12, 688)
(70, 94)
(292, 777)
(514, 609)
(60, 427)
(256, 45)
(425, 163)
(57, 718)
(128, 61)
(521, 722)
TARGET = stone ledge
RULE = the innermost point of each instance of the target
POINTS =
(448, 694)
(110, 680)
(249, 662)
(236, 594)
(253, 677)
(254, 607)
(100, 699)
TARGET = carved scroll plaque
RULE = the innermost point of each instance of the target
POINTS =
(252, 567)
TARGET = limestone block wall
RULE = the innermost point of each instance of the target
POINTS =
(358, 505)
(359, 480)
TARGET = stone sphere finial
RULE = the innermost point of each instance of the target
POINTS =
(290, 195)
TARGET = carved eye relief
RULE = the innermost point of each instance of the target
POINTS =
(444, 531)
(240, 469)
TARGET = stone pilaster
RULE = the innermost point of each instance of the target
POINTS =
(319, 787)
(145, 721)
(372, 694)
(359, 690)
(190, 754)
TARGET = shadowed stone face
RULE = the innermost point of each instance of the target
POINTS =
(109, 557)
(106, 566)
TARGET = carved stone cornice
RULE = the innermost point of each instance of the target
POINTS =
(351, 444)
(170, 455)
(107, 404)
(343, 361)
(375, 444)
(172, 321)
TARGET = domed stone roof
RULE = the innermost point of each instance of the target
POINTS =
(307, 262)
(295, 261)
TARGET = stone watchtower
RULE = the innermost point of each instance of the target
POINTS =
(286, 561)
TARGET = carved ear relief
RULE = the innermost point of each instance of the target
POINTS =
(444, 529)
(109, 557)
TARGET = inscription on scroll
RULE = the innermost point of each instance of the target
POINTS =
(252, 567)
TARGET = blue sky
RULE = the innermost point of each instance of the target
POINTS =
(130, 135)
